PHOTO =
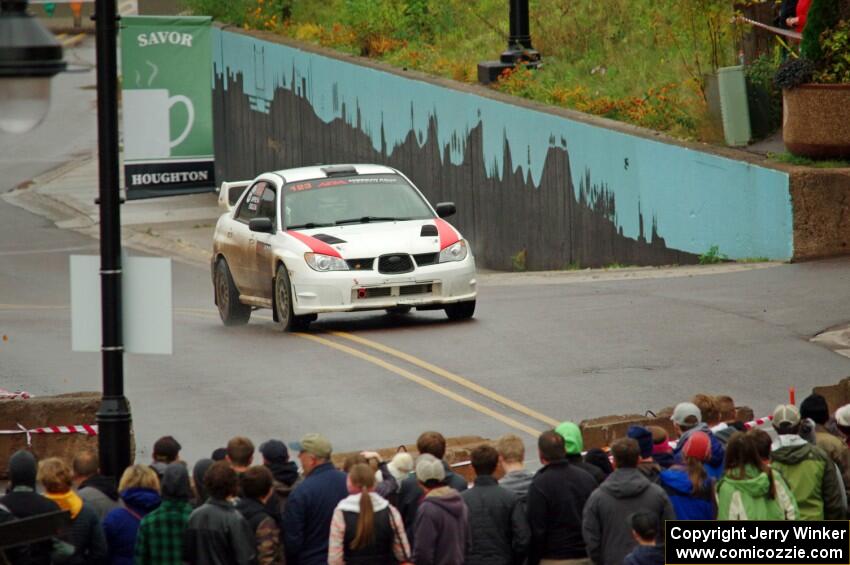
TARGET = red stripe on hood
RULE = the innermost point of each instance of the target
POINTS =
(315, 245)
(448, 235)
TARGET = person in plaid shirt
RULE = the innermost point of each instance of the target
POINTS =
(160, 537)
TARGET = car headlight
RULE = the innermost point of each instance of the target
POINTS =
(454, 252)
(319, 262)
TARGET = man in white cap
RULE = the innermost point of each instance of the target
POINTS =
(441, 528)
(687, 419)
(842, 422)
(808, 470)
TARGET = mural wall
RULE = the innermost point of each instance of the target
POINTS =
(529, 185)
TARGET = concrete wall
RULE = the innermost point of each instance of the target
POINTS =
(821, 199)
(563, 187)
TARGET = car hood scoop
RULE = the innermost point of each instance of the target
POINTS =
(329, 239)
(429, 230)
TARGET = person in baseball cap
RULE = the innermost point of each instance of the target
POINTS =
(687, 419)
(810, 473)
(310, 507)
(441, 529)
(842, 422)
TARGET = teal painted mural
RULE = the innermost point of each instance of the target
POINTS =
(659, 195)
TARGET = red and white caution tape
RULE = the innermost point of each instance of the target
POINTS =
(16, 395)
(87, 429)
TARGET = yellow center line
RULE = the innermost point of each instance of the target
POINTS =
(74, 40)
(457, 379)
(422, 382)
(61, 36)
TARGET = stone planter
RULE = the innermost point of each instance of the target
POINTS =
(816, 120)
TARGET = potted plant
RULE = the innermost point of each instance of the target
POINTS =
(816, 85)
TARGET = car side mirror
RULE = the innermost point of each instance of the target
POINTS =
(446, 209)
(262, 225)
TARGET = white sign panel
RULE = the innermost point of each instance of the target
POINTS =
(146, 300)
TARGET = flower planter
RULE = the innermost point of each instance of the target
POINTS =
(816, 120)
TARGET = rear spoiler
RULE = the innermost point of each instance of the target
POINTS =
(230, 192)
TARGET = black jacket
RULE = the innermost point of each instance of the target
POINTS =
(86, 535)
(556, 501)
(590, 468)
(24, 502)
(218, 535)
(410, 494)
(498, 524)
(646, 555)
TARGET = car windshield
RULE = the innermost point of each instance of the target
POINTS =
(352, 200)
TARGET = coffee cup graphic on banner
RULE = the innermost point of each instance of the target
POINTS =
(147, 123)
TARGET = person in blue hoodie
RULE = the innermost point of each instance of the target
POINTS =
(139, 490)
(687, 419)
(645, 531)
(690, 489)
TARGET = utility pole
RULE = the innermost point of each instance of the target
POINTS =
(113, 416)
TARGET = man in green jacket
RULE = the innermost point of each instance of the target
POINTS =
(807, 469)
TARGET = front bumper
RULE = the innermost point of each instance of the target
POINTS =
(346, 291)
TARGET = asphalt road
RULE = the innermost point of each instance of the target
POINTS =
(533, 355)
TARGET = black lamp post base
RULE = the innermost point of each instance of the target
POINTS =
(490, 71)
(114, 422)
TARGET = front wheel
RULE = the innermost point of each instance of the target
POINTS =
(460, 310)
(283, 300)
(232, 312)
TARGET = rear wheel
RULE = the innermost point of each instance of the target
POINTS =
(460, 310)
(232, 312)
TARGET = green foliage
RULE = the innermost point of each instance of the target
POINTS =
(792, 159)
(835, 49)
(639, 62)
(753, 260)
(712, 256)
(519, 261)
(794, 72)
(255, 14)
(822, 15)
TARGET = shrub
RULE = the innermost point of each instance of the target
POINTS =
(835, 51)
(794, 72)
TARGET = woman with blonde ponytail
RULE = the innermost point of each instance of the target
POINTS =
(365, 528)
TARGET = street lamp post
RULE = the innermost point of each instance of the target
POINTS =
(113, 417)
(519, 52)
(29, 57)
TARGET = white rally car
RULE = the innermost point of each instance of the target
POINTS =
(336, 238)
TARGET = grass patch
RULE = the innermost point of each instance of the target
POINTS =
(519, 261)
(638, 62)
(712, 256)
(753, 260)
(791, 159)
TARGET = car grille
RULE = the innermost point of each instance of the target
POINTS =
(365, 264)
(414, 289)
(423, 259)
(395, 263)
(379, 292)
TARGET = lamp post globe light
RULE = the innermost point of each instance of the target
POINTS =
(29, 57)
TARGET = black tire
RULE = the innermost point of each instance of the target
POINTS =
(232, 312)
(287, 319)
(460, 310)
(398, 310)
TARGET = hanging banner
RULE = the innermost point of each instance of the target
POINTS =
(166, 94)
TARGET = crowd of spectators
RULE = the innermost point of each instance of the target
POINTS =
(602, 507)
